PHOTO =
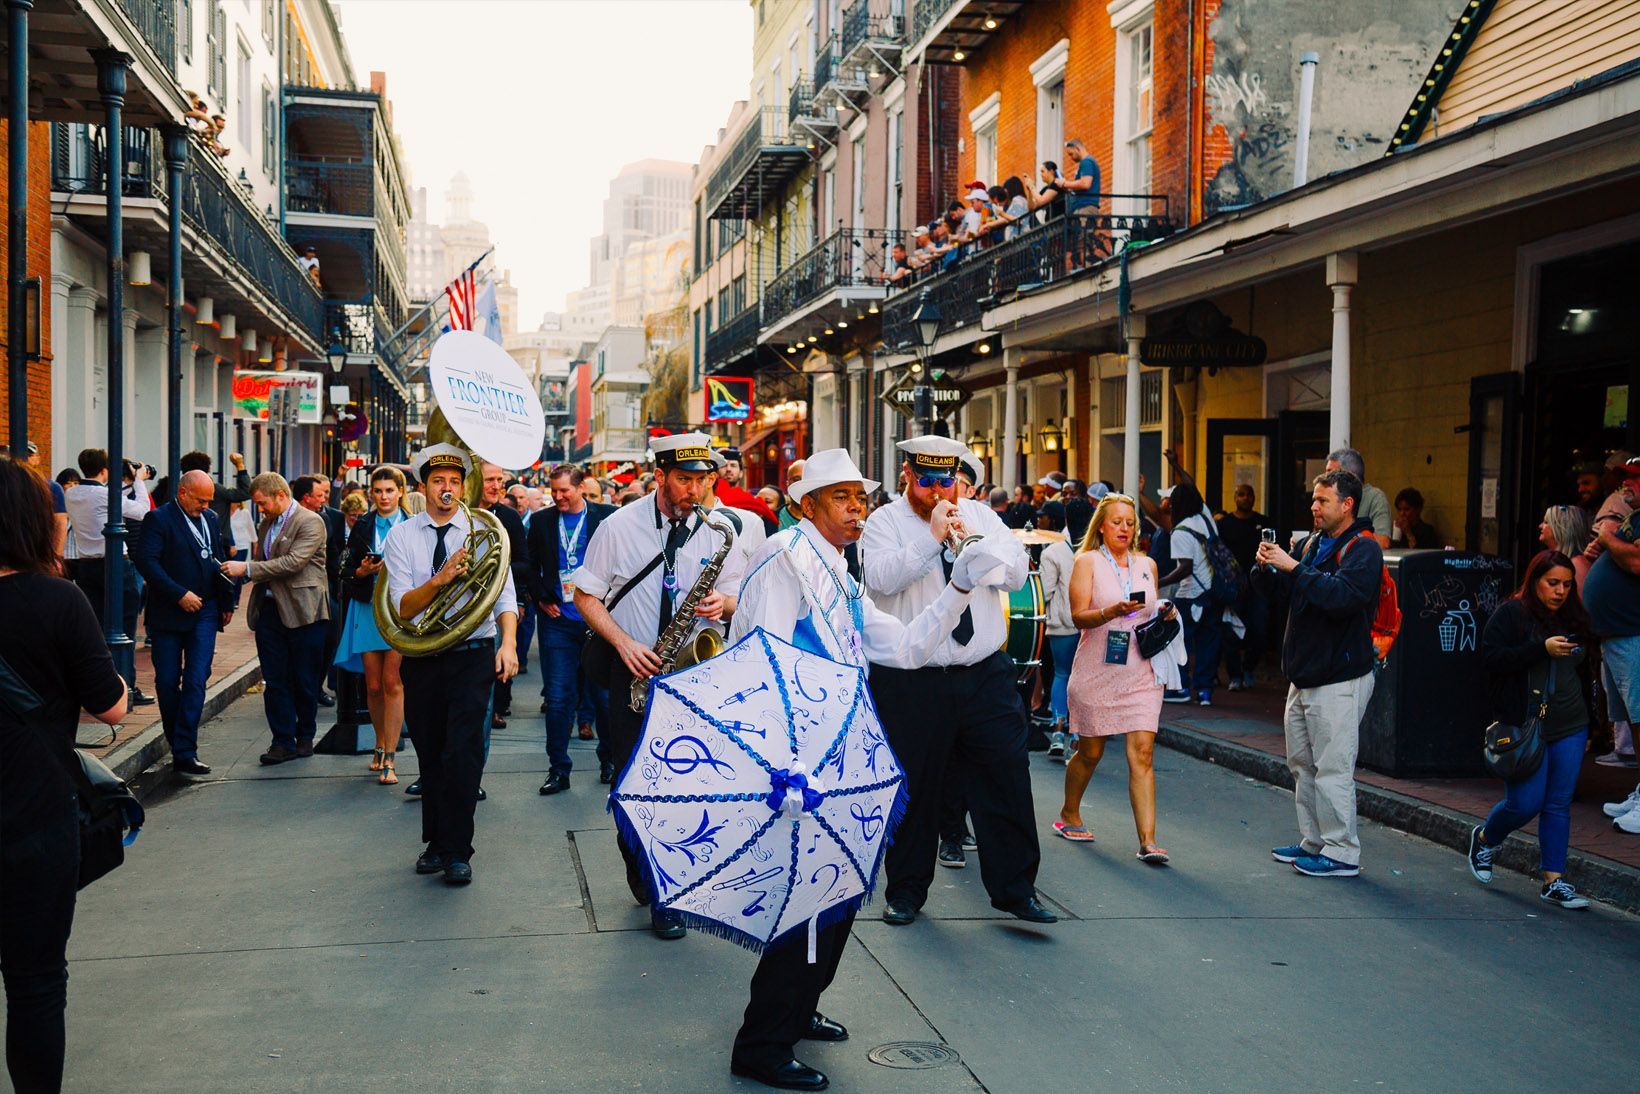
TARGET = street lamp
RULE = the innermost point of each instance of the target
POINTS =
(337, 353)
(926, 320)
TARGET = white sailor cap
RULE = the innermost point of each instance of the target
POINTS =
(435, 456)
(970, 463)
(828, 467)
(933, 454)
(684, 452)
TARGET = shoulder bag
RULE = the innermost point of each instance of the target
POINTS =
(1155, 634)
(110, 815)
(1514, 752)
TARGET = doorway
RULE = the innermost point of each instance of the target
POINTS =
(1278, 458)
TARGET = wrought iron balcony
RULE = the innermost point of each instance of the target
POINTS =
(925, 13)
(320, 186)
(834, 75)
(764, 158)
(156, 21)
(864, 32)
(962, 293)
(78, 157)
(849, 257)
(804, 110)
(733, 340)
(938, 39)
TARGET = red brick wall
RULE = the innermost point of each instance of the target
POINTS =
(935, 169)
(39, 265)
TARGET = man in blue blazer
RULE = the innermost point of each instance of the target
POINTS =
(179, 554)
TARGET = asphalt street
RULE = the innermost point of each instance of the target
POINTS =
(268, 933)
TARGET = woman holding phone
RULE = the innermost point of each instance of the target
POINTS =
(1113, 689)
(362, 648)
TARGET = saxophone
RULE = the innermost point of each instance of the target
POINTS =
(708, 643)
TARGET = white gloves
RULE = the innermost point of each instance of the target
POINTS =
(979, 564)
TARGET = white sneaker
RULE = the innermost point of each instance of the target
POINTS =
(1617, 809)
(1056, 744)
(1616, 759)
(1629, 822)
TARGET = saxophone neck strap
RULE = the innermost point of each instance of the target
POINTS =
(636, 581)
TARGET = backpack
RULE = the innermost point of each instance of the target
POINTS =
(1386, 618)
(1225, 582)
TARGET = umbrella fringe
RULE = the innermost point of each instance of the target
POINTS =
(627, 833)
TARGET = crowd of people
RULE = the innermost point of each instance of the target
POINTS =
(1140, 611)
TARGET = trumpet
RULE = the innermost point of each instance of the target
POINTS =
(957, 536)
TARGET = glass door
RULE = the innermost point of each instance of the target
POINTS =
(1492, 463)
(1239, 453)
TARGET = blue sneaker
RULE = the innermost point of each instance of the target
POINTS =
(1175, 695)
(1289, 853)
(1323, 866)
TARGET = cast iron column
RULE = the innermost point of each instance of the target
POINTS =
(17, 225)
(176, 159)
(111, 72)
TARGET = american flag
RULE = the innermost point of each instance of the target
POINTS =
(463, 293)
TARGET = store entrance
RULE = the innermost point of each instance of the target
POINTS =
(1278, 458)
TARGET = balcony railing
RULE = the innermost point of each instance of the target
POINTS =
(826, 63)
(78, 155)
(859, 25)
(925, 14)
(157, 22)
(768, 134)
(801, 104)
(214, 206)
(321, 186)
(733, 340)
(1063, 248)
(847, 257)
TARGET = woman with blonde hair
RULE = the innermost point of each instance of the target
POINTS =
(1113, 689)
(1565, 528)
(362, 647)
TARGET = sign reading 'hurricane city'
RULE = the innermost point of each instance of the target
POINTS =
(487, 399)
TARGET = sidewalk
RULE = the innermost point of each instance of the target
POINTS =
(138, 743)
(1242, 731)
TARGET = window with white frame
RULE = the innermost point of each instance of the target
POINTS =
(983, 120)
(1048, 74)
(857, 152)
(896, 176)
(267, 21)
(1134, 106)
(270, 131)
(246, 89)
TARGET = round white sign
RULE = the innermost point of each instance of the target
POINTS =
(487, 399)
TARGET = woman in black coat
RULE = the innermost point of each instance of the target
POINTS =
(362, 647)
(1541, 654)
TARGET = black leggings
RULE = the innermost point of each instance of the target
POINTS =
(39, 877)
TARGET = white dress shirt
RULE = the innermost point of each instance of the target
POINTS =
(625, 542)
(87, 505)
(751, 535)
(797, 574)
(900, 562)
(408, 556)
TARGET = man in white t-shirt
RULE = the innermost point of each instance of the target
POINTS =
(1202, 615)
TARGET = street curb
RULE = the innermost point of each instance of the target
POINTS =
(1596, 877)
(132, 759)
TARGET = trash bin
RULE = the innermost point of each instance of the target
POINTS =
(1428, 713)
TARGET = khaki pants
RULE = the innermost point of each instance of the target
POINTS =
(1323, 728)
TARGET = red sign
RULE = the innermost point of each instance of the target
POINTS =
(728, 398)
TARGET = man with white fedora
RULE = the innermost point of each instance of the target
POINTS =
(798, 588)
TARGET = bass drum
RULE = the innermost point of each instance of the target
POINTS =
(1027, 616)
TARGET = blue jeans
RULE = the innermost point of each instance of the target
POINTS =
(293, 666)
(182, 665)
(1620, 661)
(1547, 795)
(1064, 653)
(1202, 639)
(560, 657)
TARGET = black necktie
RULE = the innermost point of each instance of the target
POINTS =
(440, 555)
(675, 540)
(965, 625)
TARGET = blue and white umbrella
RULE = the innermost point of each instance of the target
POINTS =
(762, 793)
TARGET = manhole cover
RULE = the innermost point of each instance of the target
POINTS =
(913, 1055)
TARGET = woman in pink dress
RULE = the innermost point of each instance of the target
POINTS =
(1113, 689)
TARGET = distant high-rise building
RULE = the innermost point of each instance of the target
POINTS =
(424, 251)
(646, 199)
(465, 239)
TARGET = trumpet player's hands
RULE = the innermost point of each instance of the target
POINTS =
(454, 567)
(942, 520)
(712, 606)
(641, 661)
(506, 661)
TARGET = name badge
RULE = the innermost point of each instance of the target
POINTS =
(1116, 647)
(569, 591)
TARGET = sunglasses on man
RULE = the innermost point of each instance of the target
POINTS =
(941, 481)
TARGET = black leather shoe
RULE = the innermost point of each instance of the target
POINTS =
(556, 783)
(278, 754)
(822, 1028)
(430, 862)
(899, 913)
(667, 925)
(483, 797)
(791, 1075)
(498, 721)
(190, 766)
(606, 773)
(951, 854)
(414, 789)
(458, 873)
(325, 700)
(1030, 909)
(140, 698)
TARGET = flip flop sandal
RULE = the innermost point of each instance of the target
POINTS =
(1076, 833)
(1155, 856)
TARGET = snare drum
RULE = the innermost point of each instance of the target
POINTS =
(1027, 616)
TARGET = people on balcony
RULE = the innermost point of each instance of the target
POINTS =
(310, 265)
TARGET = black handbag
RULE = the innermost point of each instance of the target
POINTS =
(110, 815)
(1155, 634)
(1514, 752)
(598, 656)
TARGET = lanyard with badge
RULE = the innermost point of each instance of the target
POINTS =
(570, 545)
(200, 533)
(1118, 641)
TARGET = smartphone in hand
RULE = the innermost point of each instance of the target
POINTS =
(1138, 596)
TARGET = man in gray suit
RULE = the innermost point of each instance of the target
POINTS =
(289, 609)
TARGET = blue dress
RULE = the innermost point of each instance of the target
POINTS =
(360, 634)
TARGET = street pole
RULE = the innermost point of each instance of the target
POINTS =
(176, 158)
(111, 72)
(17, 225)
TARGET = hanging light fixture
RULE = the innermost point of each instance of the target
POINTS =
(205, 311)
(264, 350)
(229, 327)
(141, 268)
(248, 342)
(959, 56)
(984, 347)
(1051, 436)
(842, 323)
(990, 21)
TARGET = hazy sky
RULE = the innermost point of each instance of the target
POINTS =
(542, 101)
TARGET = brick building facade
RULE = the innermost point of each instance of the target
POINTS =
(39, 265)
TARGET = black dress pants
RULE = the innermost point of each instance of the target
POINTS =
(786, 993)
(446, 705)
(970, 718)
(625, 729)
(39, 877)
